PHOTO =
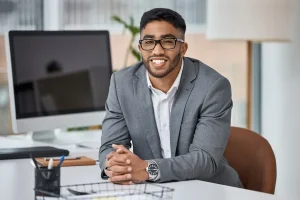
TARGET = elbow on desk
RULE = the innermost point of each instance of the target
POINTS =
(206, 168)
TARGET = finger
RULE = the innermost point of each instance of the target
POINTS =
(110, 173)
(112, 162)
(116, 147)
(120, 178)
(120, 169)
(110, 155)
(120, 158)
(120, 150)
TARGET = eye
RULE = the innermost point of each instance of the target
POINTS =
(148, 42)
(168, 41)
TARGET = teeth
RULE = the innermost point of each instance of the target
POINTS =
(158, 61)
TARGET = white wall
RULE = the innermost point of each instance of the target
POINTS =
(281, 108)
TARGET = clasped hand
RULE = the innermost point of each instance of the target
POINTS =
(124, 167)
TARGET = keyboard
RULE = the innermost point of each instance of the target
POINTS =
(24, 152)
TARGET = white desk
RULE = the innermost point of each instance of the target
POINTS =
(66, 140)
(17, 181)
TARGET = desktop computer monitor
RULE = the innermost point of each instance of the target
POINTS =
(57, 79)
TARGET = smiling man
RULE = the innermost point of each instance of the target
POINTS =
(175, 111)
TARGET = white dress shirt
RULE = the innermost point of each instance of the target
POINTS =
(162, 105)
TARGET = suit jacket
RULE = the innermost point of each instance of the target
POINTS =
(199, 123)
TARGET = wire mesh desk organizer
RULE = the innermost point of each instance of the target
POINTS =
(109, 191)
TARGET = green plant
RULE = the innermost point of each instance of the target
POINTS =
(134, 31)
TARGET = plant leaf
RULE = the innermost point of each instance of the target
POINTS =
(134, 30)
(119, 20)
(135, 53)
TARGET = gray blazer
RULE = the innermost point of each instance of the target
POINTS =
(199, 123)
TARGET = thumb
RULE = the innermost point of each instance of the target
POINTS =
(120, 148)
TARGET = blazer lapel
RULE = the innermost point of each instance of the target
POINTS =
(143, 102)
(180, 100)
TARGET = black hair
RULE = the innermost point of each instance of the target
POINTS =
(163, 14)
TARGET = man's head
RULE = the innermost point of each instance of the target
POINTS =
(162, 41)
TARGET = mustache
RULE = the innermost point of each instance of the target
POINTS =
(158, 56)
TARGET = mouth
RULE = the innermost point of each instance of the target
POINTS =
(158, 62)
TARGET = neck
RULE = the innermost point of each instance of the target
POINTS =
(164, 84)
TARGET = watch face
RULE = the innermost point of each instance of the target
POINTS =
(153, 169)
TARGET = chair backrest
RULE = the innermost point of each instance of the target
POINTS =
(252, 157)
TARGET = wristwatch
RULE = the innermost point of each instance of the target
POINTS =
(153, 170)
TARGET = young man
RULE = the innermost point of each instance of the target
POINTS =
(175, 110)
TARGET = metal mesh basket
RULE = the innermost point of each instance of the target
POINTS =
(109, 191)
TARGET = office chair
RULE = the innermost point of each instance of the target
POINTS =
(252, 157)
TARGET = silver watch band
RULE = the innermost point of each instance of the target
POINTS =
(153, 178)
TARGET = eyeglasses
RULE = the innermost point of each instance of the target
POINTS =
(166, 43)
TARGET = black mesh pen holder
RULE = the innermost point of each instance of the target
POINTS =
(47, 181)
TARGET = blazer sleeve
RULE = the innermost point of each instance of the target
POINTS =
(209, 142)
(114, 128)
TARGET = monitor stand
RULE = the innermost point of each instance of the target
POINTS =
(50, 137)
(58, 137)
(44, 136)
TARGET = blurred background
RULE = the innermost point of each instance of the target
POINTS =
(266, 96)
(228, 58)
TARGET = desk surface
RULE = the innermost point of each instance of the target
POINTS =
(17, 181)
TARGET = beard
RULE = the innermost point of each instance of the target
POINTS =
(172, 65)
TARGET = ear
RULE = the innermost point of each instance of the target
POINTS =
(183, 49)
(140, 48)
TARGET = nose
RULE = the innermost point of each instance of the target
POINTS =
(158, 50)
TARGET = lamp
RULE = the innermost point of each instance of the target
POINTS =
(250, 21)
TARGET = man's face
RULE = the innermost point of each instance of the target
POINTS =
(161, 62)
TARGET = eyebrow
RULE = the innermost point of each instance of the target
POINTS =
(162, 36)
(168, 36)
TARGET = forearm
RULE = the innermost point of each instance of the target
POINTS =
(194, 165)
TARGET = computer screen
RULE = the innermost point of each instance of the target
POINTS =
(57, 79)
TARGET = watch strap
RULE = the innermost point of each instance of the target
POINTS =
(151, 177)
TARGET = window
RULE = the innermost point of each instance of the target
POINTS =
(20, 14)
(96, 14)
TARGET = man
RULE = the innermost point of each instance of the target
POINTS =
(175, 110)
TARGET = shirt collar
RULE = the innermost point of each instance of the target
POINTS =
(176, 82)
